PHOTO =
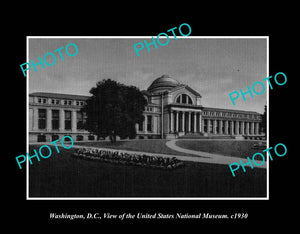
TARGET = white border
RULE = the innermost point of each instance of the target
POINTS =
(139, 198)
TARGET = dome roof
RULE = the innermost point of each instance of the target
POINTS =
(163, 83)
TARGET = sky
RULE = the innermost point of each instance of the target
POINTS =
(214, 67)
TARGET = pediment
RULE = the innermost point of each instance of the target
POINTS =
(189, 89)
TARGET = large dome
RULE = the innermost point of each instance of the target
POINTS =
(163, 83)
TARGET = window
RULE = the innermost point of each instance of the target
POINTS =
(91, 138)
(149, 109)
(55, 119)
(55, 137)
(41, 118)
(149, 123)
(55, 101)
(79, 138)
(79, 103)
(42, 100)
(80, 120)
(184, 99)
(68, 102)
(67, 138)
(41, 138)
(68, 120)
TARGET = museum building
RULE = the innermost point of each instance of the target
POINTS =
(173, 110)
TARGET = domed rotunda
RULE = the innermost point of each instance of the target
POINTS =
(163, 83)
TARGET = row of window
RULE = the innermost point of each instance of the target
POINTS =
(228, 114)
(152, 109)
(61, 102)
(42, 119)
(42, 138)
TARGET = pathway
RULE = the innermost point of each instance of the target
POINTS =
(209, 157)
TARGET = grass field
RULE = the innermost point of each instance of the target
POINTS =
(235, 148)
(62, 175)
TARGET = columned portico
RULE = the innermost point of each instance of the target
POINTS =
(185, 120)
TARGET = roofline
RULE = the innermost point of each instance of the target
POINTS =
(59, 95)
(230, 110)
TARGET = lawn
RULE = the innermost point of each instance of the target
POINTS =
(62, 175)
(234, 148)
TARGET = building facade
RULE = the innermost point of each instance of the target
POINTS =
(173, 109)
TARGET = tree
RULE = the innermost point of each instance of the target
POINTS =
(114, 109)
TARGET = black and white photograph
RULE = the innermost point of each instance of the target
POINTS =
(179, 121)
(127, 118)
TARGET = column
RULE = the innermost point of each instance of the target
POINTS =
(220, 126)
(183, 122)
(214, 126)
(201, 122)
(177, 121)
(226, 127)
(189, 121)
(155, 124)
(49, 120)
(231, 127)
(74, 121)
(152, 124)
(61, 120)
(35, 119)
(171, 121)
(195, 122)
(252, 128)
(145, 123)
(257, 128)
(247, 128)
(242, 127)
(208, 126)
(237, 127)
(136, 127)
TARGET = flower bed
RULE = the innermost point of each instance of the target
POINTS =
(128, 159)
